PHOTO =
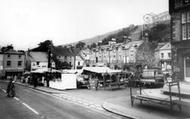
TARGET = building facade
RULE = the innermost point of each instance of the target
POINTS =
(72, 56)
(163, 56)
(115, 55)
(180, 38)
(1, 65)
(13, 63)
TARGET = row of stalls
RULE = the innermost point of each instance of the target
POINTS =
(88, 77)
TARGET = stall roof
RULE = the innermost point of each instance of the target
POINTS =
(101, 70)
(72, 71)
(43, 70)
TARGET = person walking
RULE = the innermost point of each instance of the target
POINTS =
(35, 81)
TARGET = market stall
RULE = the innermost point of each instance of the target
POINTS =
(42, 76)
(104, 77)
(68, 80)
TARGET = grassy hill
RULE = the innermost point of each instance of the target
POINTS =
(158, 33)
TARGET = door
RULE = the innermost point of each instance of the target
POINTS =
(187, 69)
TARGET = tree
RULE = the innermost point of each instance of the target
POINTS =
(43, 46)
(93, 45)
(80, 45)
(145, 55)
(7, 48)
(160, 33)
(119, 36)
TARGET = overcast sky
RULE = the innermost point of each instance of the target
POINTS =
(25, 23)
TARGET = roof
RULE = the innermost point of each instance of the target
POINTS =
(43, 70)
(160, 45)
(61, 51)
(100, 70)
(167, 46)
(13, 52)
(38, 56)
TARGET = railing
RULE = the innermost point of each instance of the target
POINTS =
(150, 98)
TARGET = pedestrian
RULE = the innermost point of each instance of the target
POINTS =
(35, 82)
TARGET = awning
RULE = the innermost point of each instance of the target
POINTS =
(100, 70)
(43, 70)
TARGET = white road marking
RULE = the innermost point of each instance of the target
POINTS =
(16, 98)
(33, 110)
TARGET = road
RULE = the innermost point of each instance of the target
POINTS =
(32, 104)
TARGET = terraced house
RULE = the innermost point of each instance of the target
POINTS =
(116, 55)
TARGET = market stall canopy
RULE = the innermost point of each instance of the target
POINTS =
(72, 71)
(43, 70)
(100, 70)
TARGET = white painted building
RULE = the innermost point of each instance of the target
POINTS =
(163, 55)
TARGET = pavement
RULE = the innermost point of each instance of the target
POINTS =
(116, 101)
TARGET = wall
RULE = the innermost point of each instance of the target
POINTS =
(14, 58)
(34, 65)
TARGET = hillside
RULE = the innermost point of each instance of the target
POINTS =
(158, 33)
(94, 39)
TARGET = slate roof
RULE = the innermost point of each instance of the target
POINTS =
(61, 51)
(38, 56)
(159, 46)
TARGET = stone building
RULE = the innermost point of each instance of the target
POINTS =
(180, 38)
(115, 55)
(13, 62)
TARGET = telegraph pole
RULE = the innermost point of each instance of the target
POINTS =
(49, 64)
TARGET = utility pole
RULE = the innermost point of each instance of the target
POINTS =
(48, 78)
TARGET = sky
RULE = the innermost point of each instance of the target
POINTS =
(26, 23)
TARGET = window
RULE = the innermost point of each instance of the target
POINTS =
(8, 63)
(19, 63)
(169, 55)
(37, 63)
(184, 17)
(188, 16)
(19, 56)
(184, 32)
(78, 63)
(186, 25)
(188, 31)
(8, 56)
(162, 55)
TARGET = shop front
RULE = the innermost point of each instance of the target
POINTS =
(187, 69)
(181, 61)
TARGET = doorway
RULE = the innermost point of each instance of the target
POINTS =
(187, 69)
